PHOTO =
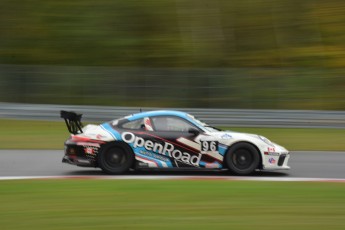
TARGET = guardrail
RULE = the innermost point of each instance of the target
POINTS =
(215, 117)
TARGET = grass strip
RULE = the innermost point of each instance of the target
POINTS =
(22, 134)
(172, 204)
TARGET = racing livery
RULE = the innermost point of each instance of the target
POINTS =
(167, 139)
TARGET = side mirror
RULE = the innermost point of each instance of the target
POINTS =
(194, 131)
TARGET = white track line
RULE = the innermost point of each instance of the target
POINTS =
(283, 179)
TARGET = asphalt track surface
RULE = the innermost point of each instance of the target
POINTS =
(304, 164)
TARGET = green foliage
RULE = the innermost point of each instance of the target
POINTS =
(173, 33)
(238, 54)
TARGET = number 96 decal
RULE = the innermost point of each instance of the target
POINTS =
(209, 146)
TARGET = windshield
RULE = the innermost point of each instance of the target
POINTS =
(194, 120)
(209, 128)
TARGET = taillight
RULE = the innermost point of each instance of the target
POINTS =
(71, 150)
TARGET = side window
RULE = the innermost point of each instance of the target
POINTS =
(163, 123)
(136, 124)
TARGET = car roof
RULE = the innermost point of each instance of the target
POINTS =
(157, 113)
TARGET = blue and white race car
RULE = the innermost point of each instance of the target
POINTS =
(168, 140)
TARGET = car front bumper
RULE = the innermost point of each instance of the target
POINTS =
(276, 160)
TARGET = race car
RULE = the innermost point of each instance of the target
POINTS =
(167, 139)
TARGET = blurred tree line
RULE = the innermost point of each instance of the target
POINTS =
(190, 53)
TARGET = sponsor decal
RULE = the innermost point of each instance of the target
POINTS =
(271, 149)
(99, 136)
(271, 154)
(150, 154)
(272, 161)
(148, 125)
(226, 136)
(91, 150)
(163, 148)
(88, 144)
(150, 163)
(142, 164)
(214, 165)
(209, 146)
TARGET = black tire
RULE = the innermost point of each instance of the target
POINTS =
(115, 159)
(242, 158)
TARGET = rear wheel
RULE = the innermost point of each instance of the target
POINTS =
(115, 159)
(242, 158)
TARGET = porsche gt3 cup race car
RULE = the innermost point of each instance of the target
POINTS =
(167, 140)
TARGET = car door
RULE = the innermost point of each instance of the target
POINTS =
(178, 135)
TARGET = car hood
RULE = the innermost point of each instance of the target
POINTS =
(230, 137)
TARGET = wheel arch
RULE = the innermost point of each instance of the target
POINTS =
(120, 144)
(247, 142)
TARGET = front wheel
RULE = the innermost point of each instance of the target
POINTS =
(115, 159)
(242, 158)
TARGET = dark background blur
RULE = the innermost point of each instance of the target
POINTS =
(276, 54)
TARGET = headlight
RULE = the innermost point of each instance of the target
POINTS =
(264, 139)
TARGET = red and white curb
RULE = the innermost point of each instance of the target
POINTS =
(230, 178)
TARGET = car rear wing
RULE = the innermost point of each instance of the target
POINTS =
(73, 121)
